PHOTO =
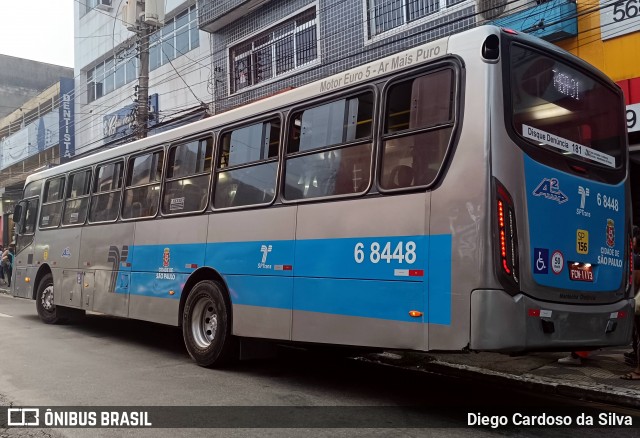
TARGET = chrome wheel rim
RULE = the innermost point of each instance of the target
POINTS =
(204, 323)
(47, 299)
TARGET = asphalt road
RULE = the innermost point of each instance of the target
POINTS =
(104, 361)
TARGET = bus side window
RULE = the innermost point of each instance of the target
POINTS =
(186, 186)
(417, 132)
(77, 198)
(142, 188)
(248, 165)
(105, 198)
(329, 149)
(52, 203)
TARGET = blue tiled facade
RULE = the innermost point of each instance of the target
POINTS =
(344, 41)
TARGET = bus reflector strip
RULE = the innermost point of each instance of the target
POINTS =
(191, 266)
(408, 272)
(283, 267)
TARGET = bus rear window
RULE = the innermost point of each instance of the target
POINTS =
(561, 109)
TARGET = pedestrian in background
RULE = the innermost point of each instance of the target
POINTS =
(2, 281)
(575, 358)
(7, 263)
(632, 357)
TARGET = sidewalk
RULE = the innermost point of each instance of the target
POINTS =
(597, 379)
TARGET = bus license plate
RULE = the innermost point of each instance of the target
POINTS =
(581, 273)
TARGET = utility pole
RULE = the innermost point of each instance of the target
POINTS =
(142, 111)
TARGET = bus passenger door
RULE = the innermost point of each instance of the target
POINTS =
(24, 254)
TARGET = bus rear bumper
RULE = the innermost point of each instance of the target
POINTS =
(501, 322)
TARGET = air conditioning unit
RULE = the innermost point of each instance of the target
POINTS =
(493, 9)
(105, 5)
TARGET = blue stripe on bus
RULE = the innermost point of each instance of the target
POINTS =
(439, 280)
(390, 300)
(267, 257)
(150, 285)
(370, 258)
(167, 258)
(263, 291)
(375, 277)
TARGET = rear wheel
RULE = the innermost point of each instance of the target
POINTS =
(48, 312)
(206, 326)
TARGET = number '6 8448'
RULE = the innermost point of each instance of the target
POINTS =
(402, 252)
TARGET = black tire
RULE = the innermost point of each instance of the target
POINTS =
(48, 312)
(206, 326)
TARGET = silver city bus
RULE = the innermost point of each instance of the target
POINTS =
(468, 193)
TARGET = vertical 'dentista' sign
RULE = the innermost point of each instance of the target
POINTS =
(67, 125)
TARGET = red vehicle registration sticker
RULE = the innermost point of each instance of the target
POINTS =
(581, 273)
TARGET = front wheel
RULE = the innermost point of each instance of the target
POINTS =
(47, 310)
(206, 326)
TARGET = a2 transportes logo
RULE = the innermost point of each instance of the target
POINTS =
(550, 189)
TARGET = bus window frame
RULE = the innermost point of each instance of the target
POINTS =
(95, 167)
(128, 159)
(278, 159)
(452, 62)
(372, 140)
(22, 219)
(165, 169)
(88, 195)
(22, 239)
(546, 156)
(42, 204)
(34, 182)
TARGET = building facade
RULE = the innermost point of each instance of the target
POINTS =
(107, 67)
(29, 127)
(218, 54)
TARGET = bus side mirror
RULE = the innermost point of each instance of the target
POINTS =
(17, 213)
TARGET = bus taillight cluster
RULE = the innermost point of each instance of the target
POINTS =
(507, 237)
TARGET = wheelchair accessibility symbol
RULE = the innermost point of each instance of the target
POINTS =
(541, 261)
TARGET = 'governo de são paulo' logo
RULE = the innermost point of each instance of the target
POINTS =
(550, 189)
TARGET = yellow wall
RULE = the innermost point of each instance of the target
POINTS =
(619, 57)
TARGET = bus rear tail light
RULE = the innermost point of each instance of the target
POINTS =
(507, 236)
